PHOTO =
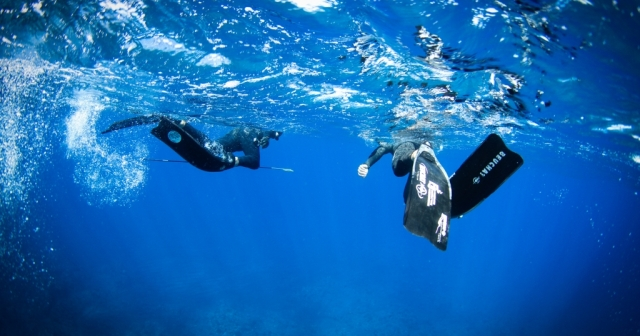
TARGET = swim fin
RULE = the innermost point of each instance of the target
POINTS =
(135, 121)
(481, 174)
(189, 147)
(427, 212)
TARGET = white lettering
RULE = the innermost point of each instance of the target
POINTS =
(434, 190)
(421, 190)
(494, 162)
(442, 228)
(422, 177)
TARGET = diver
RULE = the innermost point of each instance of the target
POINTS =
(431, 198)
(200, 151)
(404, 154)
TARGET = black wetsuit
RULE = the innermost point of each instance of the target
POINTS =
(243, 139)
(217, 154)
(401, 162)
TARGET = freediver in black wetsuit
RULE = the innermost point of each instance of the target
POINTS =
(404, 153)
(248, 140)
(200, 151)
(429, 192)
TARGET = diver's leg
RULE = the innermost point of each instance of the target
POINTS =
(402, 162)
(214, 147)
(200, 137)
(135, 121)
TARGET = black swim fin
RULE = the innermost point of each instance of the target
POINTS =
(427, 212)
(190, 148)
(135, 121)
(481, 174)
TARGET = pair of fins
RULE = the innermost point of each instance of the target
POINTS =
(432, 199)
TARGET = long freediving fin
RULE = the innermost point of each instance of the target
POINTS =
(490, 165)
(427, 212)
(135, 121)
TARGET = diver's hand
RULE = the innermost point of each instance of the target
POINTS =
(414, 154)
(363, 170)
(264, 142)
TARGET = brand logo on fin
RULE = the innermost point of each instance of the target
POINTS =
(491, 164)
(442, 228)
(434, 190)
(421, 190)
(422, 178)
(476, 180)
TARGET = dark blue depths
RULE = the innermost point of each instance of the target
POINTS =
(322, 251)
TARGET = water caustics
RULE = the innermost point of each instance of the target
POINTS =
(301, 66)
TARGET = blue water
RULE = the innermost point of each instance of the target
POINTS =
(95, 240)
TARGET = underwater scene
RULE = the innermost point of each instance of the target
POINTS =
(273, 167)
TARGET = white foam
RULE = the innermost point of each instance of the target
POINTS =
(125, 11)
(231, 84)
(331, 92)
(618, 128)
(482, 16)
(311, 6)
(213, 60)
(266, 48)
(260, 79)
(107, 175)
(162, 43)
(292, 69)
(37, 7)
(201, 86)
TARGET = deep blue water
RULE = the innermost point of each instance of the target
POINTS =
(95, 240)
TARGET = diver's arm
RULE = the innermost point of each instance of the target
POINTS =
(251, 158)
(378, 153)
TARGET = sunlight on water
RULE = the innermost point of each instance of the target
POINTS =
(124, 11)
(311, 6)
(108, 174)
